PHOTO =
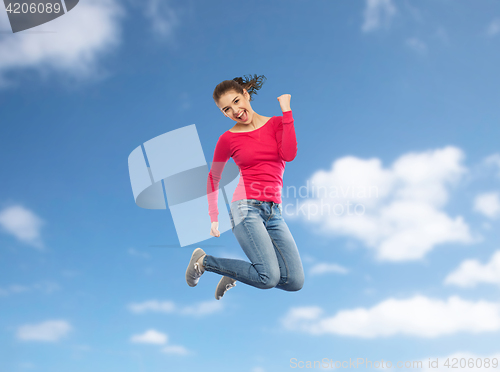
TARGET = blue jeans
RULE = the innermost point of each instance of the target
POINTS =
(266, 240)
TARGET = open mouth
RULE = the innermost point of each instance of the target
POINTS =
(243, 116)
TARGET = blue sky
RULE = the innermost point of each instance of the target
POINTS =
(399, 96)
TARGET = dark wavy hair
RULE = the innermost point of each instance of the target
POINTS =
(251, 83)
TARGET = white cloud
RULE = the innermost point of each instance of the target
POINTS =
(397, 211)
(459, 362)
(472, 272)
(494, 27)
(376, 13)
(417, 45)
(49, 331)
(23, 224)
(169, 307)
(153, 306)
(324, 268)
(297, 318)
(418, 316)
(488, 204)
(72, 44)
(151, 336)
(202, 308)
(155, 337)
(164, 18)
(258, 369)
(176, 349)
(46, 287)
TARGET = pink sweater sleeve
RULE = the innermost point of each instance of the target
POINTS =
(287, 141)
(221, 156)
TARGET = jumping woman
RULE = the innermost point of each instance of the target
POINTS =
(260, 146)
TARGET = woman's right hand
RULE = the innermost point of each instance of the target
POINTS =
(214, 231)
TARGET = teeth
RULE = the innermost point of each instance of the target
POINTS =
(239, 116)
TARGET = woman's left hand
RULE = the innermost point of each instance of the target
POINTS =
(284, 101)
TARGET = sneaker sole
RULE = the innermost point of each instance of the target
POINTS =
(198, 252)
(222, 283)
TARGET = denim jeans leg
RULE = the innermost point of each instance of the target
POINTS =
(263, 270)
(291, 270)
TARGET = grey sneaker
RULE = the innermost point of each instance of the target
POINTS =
(224, 285)
(195, 268)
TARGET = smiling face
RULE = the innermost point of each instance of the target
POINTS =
(236, 106)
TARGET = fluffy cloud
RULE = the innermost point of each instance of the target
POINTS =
(71, 44)
(397, 212)
(152, 306)
(45, 287)
(472, 272)
(154, 337)
(324, 268)
(418, 316)
(164, 19)
(376, 13)
(49, 331)
(175, 349)
(23, 224)
(151, 336)
(488, 204)
(169, 307)
(202, 308)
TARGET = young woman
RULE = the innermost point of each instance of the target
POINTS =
(260, 146)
